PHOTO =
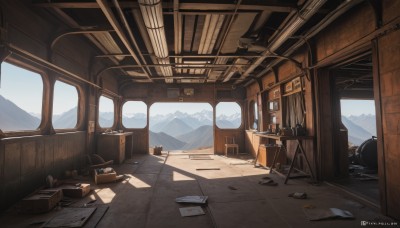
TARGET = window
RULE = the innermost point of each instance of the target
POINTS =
(21, 95)
(228, 115)
(106, 112)
(65, 106)
(134, 114)
(253, 115)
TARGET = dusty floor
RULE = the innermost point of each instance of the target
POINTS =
(146, 197)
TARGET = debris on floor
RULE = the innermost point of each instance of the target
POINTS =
(192, 199)
(232, 188)
(268, 182)
(106, 175)
(191, 211)
(70, 217)
(316, 214)
(200, 169)
(309, 206)
(298, 195)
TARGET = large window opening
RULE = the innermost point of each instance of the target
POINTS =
(134, 114)
(106, 112)
(355, 142)
(65, 106)
(21, 95)
(228, 115)
(182, 127)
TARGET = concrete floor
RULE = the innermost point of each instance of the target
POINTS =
(146, 197)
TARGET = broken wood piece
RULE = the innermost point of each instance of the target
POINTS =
(268, 182)
(208, 169)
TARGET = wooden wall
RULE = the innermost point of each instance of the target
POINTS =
(387, 81)
(25, 162)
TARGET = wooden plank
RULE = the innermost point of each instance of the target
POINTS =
(70, 217)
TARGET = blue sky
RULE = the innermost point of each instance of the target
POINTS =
(25, 88)
(357, 107)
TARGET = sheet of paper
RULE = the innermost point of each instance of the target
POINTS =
(191, 211)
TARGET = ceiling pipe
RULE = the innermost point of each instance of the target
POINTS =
(130, 33)
(177, 33)
(223, 60)
(152, 14)
(115, 24)
(310, 8)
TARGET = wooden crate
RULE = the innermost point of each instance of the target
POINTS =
(41, 201)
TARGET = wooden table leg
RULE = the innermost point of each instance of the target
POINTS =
(292, 164)
(258, 153)
(305, 157)
(276, 156)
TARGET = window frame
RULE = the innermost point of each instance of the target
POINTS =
(80, 106)
(134, 128)
(45, 94)
(102, 129)
(253, 111)
(241, 115)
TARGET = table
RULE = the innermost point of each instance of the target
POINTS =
(115, 146)
(299, 151)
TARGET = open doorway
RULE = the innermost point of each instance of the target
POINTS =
(355, 124)
(182, 127)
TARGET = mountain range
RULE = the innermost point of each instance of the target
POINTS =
(174, 131)
(357, 128)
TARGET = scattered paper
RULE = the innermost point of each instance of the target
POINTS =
(316, 214)
(192, 199)
(191, 211)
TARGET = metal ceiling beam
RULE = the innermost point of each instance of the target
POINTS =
(77, 32)
(310, 8)
(115, 24)
(275, 7)
(72, 23)
(177, 32)
(112, 55)
(130, 33)
(226, 34)
(333, 15)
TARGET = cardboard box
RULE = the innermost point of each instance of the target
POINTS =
(41, 201)
(101, 178)
(75, 191)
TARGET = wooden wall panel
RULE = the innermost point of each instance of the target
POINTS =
(391, 9)
(389, 73)
(349, 28)
(25, 162)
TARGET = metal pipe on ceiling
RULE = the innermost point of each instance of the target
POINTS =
(310, 8)
(223, 60)
(152, 14)
(53, 67)
(115, 24)
(129, 30)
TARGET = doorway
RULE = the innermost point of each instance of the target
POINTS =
(354, 126)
